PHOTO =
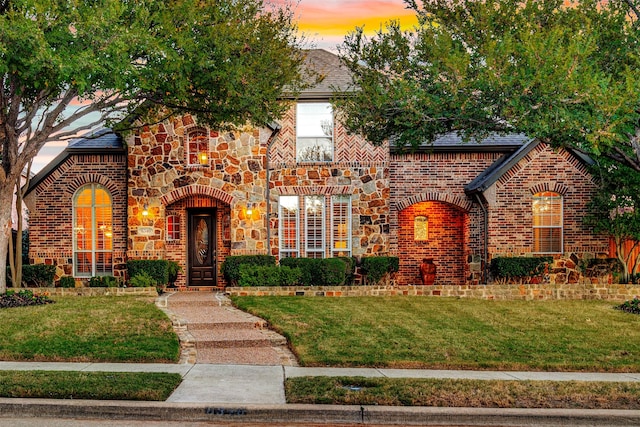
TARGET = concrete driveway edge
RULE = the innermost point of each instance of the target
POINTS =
(319, 414)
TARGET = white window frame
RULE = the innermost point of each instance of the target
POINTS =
(174, 235)
(312, 134)
(314, 227)
(283, 213)
(343, 217)
(551, 219)
(95, 229)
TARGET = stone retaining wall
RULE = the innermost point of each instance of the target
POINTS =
(615, 292)
(90, 292)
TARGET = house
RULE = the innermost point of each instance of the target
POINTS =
(304, 187)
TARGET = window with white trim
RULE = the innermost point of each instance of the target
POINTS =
(197, 147)
(340, 225)
(314, 132)
(289, 226)
(314, 226)
(173, 227)
(92, 232)
(547, 223)
(315, 239)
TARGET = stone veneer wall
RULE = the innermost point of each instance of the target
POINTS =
(359, 169)
(590, 291)
(160, 177)
(51, 210)
(432, 184)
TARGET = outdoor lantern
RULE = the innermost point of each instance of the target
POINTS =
(204, 159)
(145, 210)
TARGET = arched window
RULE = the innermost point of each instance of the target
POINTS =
(92, 232)
(547, 223)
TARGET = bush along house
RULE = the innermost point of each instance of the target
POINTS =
(303, 187)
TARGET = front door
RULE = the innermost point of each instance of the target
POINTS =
(202, 244)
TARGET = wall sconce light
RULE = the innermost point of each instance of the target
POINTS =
(203, 158)
(145, 211)
(249, 212)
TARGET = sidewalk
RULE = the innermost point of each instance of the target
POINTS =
(254, 392)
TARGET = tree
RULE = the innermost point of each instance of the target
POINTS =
(567, 73)
(615, 210)
(67, 61)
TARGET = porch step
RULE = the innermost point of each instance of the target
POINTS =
(261, 324)
(239, 338)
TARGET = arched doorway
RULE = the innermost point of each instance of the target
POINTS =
(431, 229)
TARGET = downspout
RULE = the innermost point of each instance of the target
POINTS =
(485, 249)
(276, 129)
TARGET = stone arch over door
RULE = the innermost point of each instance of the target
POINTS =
(432, 229)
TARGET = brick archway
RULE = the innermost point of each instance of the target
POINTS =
(432, 196)
(446, 225)
(197, 190)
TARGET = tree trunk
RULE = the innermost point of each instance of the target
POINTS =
(6, 202)
(623, 259)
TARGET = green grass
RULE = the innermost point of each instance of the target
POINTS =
(463, 393)
(445, 333)
(96, 329)
(88, 385)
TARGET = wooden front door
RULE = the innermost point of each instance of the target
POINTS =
(202, 248)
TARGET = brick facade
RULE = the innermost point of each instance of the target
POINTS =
(51, 209)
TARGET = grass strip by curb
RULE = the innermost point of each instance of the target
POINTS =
(88, 385)
(463, 393)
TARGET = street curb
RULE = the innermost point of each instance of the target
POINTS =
(319, 414)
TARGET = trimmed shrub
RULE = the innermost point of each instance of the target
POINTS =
(67, 282)
(173, 269)
(318, 271)
(376, 267)
(157, 269)
(231, 265)
(103, 282)
(264, 275)
(350, 271)
(35, 275)
(518, 268)
(142, 280)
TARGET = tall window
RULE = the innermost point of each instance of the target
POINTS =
(289, 228)
(92, 232)
(341, 226)
(173, 227)
(315, 239)
(547, 223)
(314, 226)
(198, 147)
(314, 132)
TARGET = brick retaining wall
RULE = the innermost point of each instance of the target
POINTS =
(492, 292)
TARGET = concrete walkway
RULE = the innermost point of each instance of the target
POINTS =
(251, 390)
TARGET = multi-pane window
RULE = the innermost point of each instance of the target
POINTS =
(314, 132)
(197, 147)
(173, 227)
(341, 226)
(92, 232)
(314, 226)
(315, 239)
(547, 223)
(289, 229)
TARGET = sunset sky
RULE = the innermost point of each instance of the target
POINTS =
(324, 24)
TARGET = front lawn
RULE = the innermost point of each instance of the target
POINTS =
(448, 333)
(88, 329)
(88, 385)
(463, 393)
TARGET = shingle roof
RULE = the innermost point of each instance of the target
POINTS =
(335, 75)
(455, 143)
(103, 140)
